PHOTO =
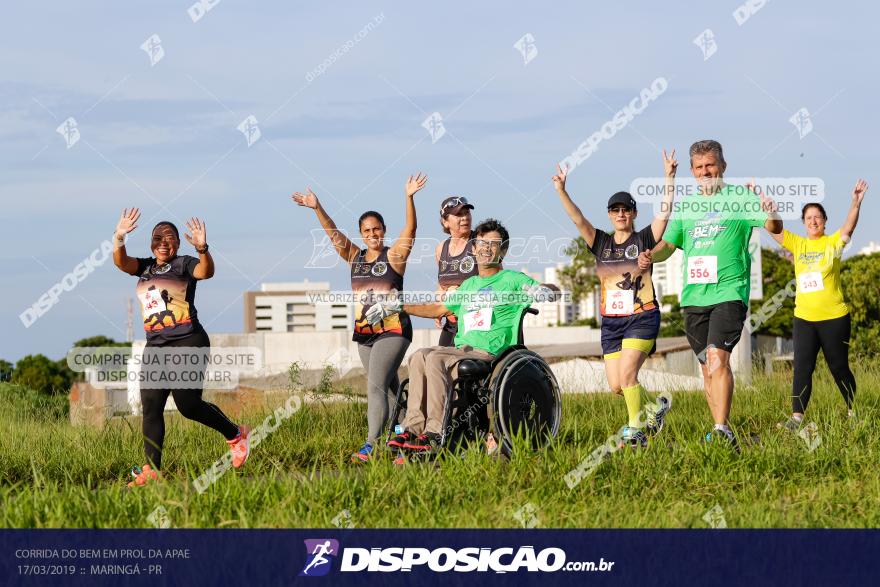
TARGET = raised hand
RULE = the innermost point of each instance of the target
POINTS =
(415, 183)
(559, 178)
(767, 204)
(670, 163)
(309, 199)
(859, 191)
(198, 238)
(127, 222)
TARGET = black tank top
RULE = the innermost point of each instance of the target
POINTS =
(454, 270)
(376, 278)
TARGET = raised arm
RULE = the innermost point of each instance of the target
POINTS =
(342, 243)
(773, 224)
(400, 250)
(580, 221)
(670, 166)
(852, 218)
(198, 238)
(127, 223)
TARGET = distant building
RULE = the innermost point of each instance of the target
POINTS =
(286, 307)
(870, 249)
(561, 311)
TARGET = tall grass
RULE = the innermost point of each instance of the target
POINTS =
(55, 475)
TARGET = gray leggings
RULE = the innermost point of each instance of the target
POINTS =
(381, 361)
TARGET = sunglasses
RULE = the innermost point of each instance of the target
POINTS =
(619, 209)
(453, 203)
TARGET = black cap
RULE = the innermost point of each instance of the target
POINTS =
(622, 199)
(454, 205)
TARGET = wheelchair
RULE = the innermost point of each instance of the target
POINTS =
(515, 394)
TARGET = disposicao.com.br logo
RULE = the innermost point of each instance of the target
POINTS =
(442, 560)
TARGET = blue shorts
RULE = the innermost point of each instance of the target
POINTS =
(643, 327)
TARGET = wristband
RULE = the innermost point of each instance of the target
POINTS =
(203, 251)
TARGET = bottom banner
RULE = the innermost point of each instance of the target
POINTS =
(428, 557)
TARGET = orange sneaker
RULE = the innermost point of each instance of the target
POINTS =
(142, 476)
(240, 447)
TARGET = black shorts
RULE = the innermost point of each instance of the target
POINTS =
(620, 332)
(718, 325)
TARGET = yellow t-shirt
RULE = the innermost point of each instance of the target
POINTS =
(817, 270)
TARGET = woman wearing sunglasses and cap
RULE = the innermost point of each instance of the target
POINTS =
(630, 313)
(376, 271)
(455, 257)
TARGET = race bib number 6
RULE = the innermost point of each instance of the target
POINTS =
(808, 282)
(478, 319)
(702, 269)
(619, 302)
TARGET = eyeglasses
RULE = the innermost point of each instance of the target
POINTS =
(453, 203)
(479, 242)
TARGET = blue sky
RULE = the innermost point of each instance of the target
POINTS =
(166, 135)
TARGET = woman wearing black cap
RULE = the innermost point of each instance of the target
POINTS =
(455, 257)
(630, 313)
(166, 291)
(376, 271)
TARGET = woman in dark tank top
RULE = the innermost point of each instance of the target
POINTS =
(375, 270)
(455, 257)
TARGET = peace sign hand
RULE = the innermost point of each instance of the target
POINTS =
(127, 222)
(560, 177)
(859, 191)
(198, 239)
(670, 163)
(415, 183)
(309, 200)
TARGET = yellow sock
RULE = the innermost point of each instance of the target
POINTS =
(633, 397)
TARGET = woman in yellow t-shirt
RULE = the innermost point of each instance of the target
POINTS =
(821, 317)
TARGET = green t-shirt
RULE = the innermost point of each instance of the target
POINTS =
(500, 301)
(714, 233)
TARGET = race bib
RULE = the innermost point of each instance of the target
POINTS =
(702, 269)
(812, 281)
(152, 302)
(619, 301)
(478, 319)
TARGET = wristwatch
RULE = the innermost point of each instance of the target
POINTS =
(203, 251)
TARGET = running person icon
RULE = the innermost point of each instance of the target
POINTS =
(630, 313)
(159, 277)
(321, 550)
(821, 316)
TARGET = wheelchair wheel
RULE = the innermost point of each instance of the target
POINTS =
(397, 413)
(525, 399)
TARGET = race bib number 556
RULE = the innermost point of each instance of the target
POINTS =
(702, 269)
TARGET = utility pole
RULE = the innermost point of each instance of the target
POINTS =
(129, 332)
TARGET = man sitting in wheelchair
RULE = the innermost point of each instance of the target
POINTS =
(488, 307)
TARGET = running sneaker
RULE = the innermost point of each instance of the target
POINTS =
(426, 443)
(728, 436)
(633, 437)
(240, 447)
(792, 424)
(657, 416)
(142, 476)
(401, 439)
(365, 454)
(400, 459)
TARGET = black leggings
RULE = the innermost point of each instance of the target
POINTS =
(832, 336)
(189, 403)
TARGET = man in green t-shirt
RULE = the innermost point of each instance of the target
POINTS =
(488, 307)
(713, 229)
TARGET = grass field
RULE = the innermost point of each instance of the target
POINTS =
(54, 475)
